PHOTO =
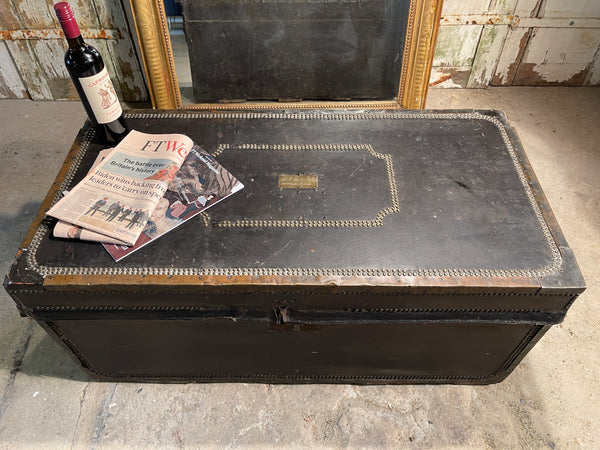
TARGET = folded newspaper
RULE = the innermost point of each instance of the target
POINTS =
(143, 188)
(135, 174)
(200, 183)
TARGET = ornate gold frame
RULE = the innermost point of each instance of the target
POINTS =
(150, 23)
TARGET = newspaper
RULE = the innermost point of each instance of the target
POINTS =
(200, 183)
(67, 230)
(127, 184)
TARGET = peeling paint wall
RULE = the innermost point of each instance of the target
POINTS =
(32, 49)
(518, 43)
(480, 43)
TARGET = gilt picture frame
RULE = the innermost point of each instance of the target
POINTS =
(151, 26)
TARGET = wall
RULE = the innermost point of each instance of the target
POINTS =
(32, 49)
(518, 42)
(480, 43)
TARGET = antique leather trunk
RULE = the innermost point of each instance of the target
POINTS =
(295, 49)
(366, 247)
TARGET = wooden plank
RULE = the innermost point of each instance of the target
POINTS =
(50, 54)
(85, 13)
(11, 85)
(41, 65)
(34, 14)
(128, 72)
(8, 16)
(110, 14)
(449, 77)
(465, 6)
(456, 45)
(502, 6)
(38, 63)
(50, 57)
(527, 8)
(593, 78)
(512, 53)
(570, 8)
(557, 22)
(127, 69)
(56, 33)
(32, 74)
(518, 22)
(39, 14)
(488, 52)
(558, 57)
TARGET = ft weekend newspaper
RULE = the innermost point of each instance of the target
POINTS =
(130, 181)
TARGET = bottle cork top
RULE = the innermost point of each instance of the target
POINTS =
(67, 19)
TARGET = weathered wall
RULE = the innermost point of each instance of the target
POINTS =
(518, 42)
(32, 49)
(480, 43)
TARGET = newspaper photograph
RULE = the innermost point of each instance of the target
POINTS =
(117, 197)
(200, 183)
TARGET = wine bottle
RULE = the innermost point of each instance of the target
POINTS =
(91, 80)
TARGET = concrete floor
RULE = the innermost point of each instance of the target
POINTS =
(550, 401)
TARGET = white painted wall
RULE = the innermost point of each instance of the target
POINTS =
(518, 42)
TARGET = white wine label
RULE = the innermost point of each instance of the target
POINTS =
(102, 97)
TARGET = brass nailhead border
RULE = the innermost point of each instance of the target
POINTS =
(376, 222)
(552, 267)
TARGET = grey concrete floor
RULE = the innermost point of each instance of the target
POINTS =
(550, 401)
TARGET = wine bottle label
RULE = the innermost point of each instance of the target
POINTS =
(102, 97)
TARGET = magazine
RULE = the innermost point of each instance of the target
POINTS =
(117, 197)
(200, 183)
